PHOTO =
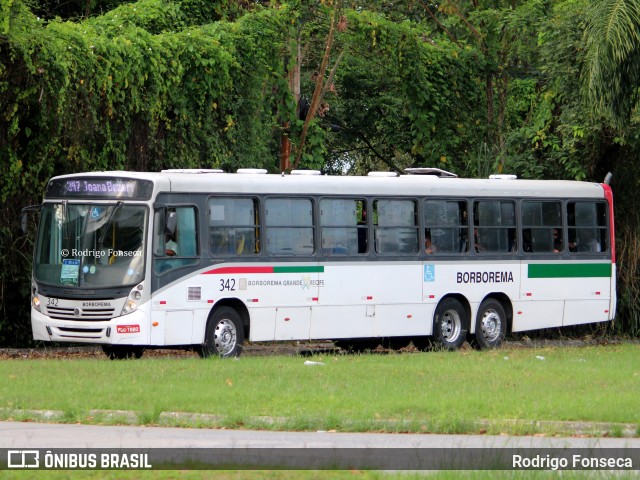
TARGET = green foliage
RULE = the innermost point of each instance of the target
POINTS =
(612, 73)
(133, 89)
(403, 100)
(557, 138)
(475, 88)
(194, 12)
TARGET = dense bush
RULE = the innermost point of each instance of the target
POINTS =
(193, 83)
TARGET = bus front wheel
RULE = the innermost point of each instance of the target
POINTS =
(224, 336)
(491, 325)
(450, 324)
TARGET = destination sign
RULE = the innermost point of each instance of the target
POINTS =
(99, 187)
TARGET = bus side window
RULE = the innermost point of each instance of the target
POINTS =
(542, 227)
(290, 226)
(176, 234)
(446, 226)
(340, 230)
(234, 226)
(186, 231)
(494, 226)
(395, 226)
(587, 226)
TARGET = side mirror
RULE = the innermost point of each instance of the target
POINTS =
(24, 220)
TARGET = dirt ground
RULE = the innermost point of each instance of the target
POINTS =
(303, 349)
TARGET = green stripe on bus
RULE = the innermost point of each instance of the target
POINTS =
(569, 270)
(298, 269)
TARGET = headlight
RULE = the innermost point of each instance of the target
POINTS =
(132, 300)
(129, 306)
(35, 301)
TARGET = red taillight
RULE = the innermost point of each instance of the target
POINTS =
(608, 194)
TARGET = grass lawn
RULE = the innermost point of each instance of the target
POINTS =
(310, 475)
(437, 392)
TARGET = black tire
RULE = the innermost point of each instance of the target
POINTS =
(450, 324)
(224, 336)
(424, 343)
(491, 325)
(357, 345)
(396, 343)
(122, 352)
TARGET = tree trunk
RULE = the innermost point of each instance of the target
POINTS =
(317, 93)
(293, 80)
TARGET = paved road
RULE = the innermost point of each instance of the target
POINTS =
(43, 435)
(192, 448)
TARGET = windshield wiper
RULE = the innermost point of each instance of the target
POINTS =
(106, 224)
(65, 227)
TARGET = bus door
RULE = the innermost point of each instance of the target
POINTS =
(175, 247)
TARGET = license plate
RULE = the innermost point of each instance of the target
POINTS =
(128, 329)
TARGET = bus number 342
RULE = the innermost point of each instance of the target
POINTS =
(229, 284)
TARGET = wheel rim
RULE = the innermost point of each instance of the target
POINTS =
(224, 337)
(450, 326)
(491, 324)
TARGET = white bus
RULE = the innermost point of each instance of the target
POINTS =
(210, 260)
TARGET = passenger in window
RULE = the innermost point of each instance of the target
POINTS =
(527, 243)
(463, 241)
(476, 241)
(428, 246)
(557, 241)
(513, 245)
(171, 247)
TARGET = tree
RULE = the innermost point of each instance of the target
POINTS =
(505, 36)
(612, 68)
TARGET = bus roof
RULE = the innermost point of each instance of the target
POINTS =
(255, 182)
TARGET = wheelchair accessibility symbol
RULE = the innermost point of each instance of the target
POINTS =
(429, 273)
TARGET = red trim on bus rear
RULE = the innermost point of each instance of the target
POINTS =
(608, 194)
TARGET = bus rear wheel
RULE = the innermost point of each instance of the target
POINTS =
(122, 352)
(224, 336)
(450, 324)
(491, 325)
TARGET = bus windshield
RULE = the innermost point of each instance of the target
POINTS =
(90, 245)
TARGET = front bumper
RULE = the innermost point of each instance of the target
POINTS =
(131, 329)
